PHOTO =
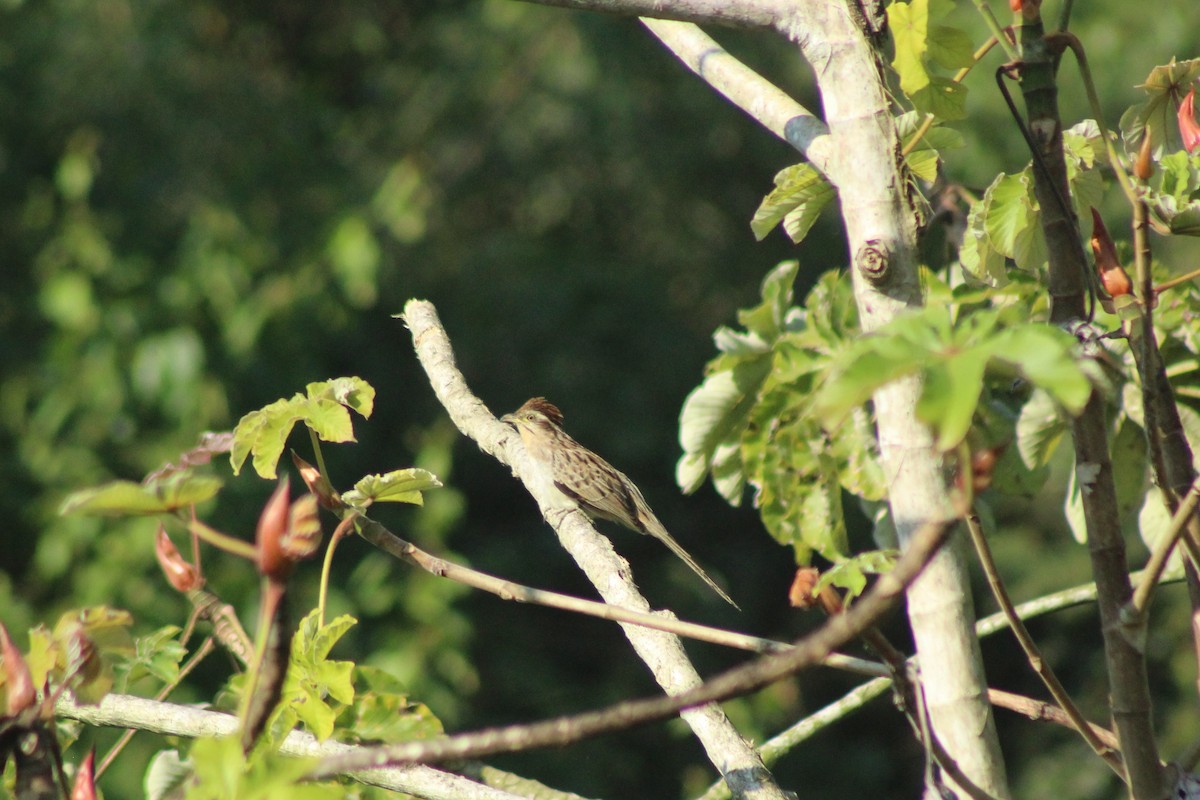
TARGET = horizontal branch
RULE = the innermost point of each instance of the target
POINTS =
(169, 719)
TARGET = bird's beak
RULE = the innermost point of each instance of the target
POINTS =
(509, 419)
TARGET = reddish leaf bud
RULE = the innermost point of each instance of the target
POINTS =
(304, 529)
(983, 465)
(85, 779)
(317, 484)
(800, 595)
(1113, 276)
(18, 681)
(180, 574)
(1143, 166)
(1189, 131)
(272, 527)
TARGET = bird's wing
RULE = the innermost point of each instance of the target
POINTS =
(597, 488)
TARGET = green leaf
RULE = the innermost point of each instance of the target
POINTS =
(941, 97)
(719, 405)
(976, 256)
(851, 573)
(1045, 355)
(864, 367)
(909, 24)
(923, 164)
(354, 393)
(122, 498)
(1011, 221)
(800, 193)
(323, 408)
(1165, 87)
(166, 776)
(950, 47)
(766, 320)
(690, 471)
(398, 486)
(158, 655)
(222, 772)
(312, 678)
(1129, 462)
(1040, 429)
(384, 712)
(951, 393)
(1153, 521)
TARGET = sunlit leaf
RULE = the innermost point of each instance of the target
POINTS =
(121, 498)
(398, 486)
(799, 195)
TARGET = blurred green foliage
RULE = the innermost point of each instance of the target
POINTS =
(206, 206)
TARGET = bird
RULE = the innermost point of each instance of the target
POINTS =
(581, 478)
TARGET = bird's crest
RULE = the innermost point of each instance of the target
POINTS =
(543, 407)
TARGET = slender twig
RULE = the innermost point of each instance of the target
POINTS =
(927, 123)
(327, 564)
(997, 30)
(784, 742)
(1085, 72)
(202, 651)
(1163, 548)
(222, 541)
(385, 540)
(735, 682)
(1030, 648)
(1171, 284)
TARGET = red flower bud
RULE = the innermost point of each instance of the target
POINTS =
(1189, 131)
(180, 574)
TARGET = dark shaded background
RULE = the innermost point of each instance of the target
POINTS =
(204, 206)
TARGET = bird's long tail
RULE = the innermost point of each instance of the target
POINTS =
(660, 533)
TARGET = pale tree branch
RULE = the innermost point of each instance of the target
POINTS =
(662, 652)
(878, 208)
(727, 13)
(766, 103)
(126, 711)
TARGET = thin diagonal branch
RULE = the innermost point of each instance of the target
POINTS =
(735, 682)
(1033, 654)
(393, 545)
